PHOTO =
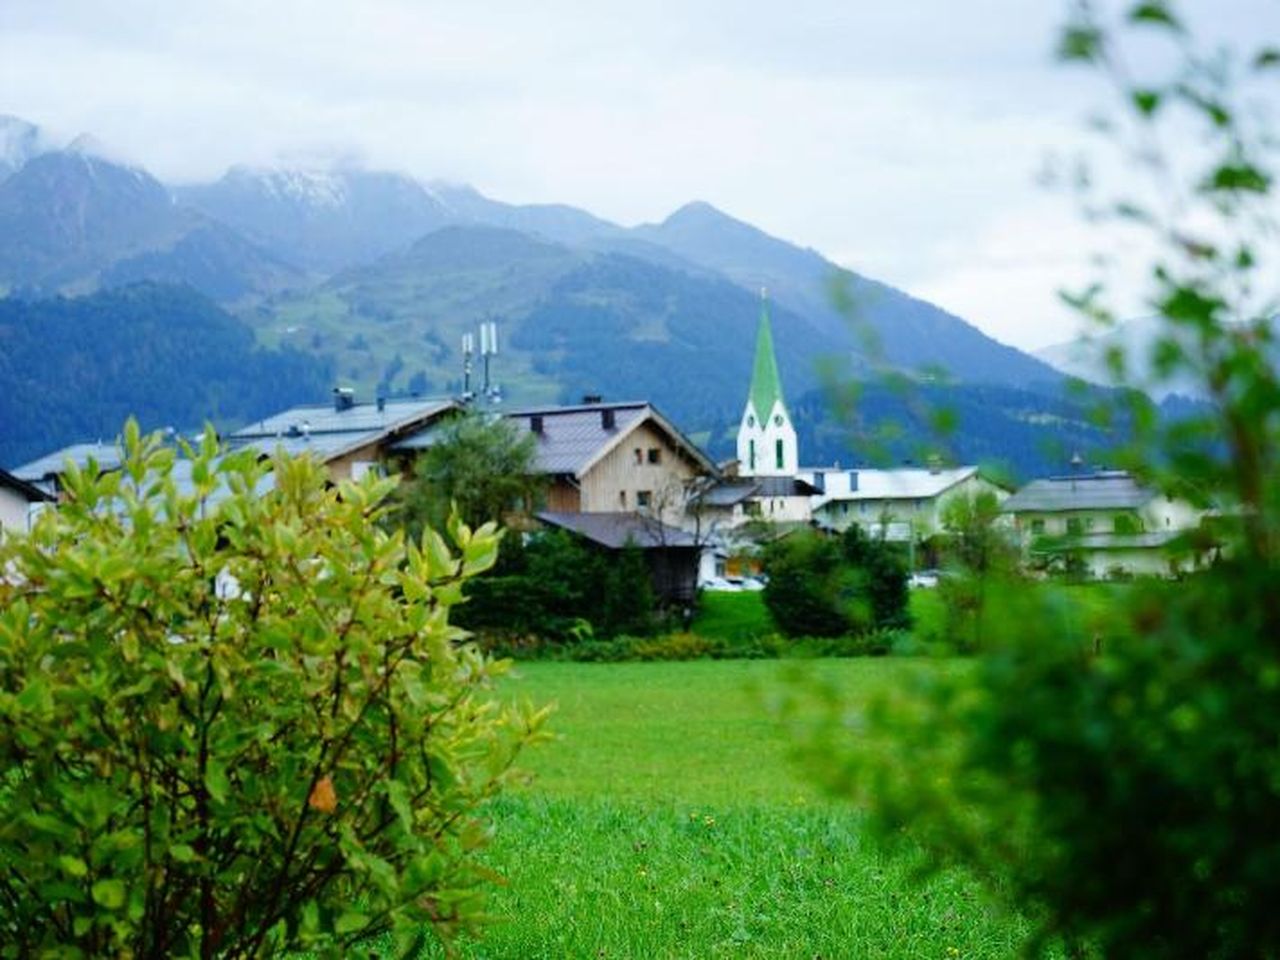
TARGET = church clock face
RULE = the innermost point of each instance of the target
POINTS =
(751, 421)
(778, 420)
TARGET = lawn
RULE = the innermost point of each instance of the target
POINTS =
(668, 821)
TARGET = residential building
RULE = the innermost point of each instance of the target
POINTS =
(1107, 519)
(613, 458)
(20, 501)
(350, 438)
(671, 554)
(903, 505)
(46, 472)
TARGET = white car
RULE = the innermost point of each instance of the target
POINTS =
(721, 583)
(923, 578)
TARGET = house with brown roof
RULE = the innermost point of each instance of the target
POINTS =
(613, 458)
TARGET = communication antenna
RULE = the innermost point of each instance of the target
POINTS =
(468, 348)
(489, 348)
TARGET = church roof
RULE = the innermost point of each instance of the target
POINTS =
(766, 385)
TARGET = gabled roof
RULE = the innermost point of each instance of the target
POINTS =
(31, 493)
(619, 530)
(1109, 490)
(572, 439)
(766, 384)
(328, 432)
(729, 493)
(106, 455)
(907, 483)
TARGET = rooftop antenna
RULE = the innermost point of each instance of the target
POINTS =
(468, 348)
(489, 348)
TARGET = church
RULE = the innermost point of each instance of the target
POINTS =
(762, 485)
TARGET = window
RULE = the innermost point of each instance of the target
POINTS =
(751, 421)
(655, 455)
(622, 499)
(751, 454)
(777, 449)
(1074, 527)
(642, 498)
(1037, 527)
(639, 455)
(778, 420)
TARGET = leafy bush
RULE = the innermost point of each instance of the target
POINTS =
(235, 722)
(552, 585)
(820, 586)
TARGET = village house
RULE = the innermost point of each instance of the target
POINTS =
(1107, 520)
(348, 437)
(903, 505)
(20, 501)
(612, 458)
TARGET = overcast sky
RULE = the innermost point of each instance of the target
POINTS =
(901, 139)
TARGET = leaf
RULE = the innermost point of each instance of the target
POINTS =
(323, 797)
(1267, 58)
(73, 866)
(350, 922)
(109, 894)
(1155, 13)
(1147, 102)
(215, 781)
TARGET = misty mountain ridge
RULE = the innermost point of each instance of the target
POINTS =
(378, 274)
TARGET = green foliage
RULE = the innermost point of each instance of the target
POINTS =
(549, 587)
(809, 589)
(824, 587)
(732, 615)
(481, 467)
(237, 722)
(74, 370)
(1115, 774)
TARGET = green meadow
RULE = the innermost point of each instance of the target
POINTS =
(668, 820)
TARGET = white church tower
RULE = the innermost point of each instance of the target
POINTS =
(766, 438)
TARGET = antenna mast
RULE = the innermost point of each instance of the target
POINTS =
(468, 348)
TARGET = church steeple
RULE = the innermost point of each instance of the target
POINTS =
(766, 385)
(766, 438)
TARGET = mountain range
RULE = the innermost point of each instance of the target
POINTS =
(377, 276)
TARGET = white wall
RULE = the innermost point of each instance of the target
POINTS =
(14, 512)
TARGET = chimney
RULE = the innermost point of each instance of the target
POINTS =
(535, 423)
(820, 480)
(607, 418)
(344, 398)
(591, 398)
(382, 404)
(853, 481)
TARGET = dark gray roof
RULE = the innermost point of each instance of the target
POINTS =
(1112, 490)
(33, 494)
(572, 438)
(729, 493)
(106, 455)
(618, 530)
(327, 432)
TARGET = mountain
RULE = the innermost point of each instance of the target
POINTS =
(557, 222)
(75, 369)
(20, 142)
(71, 221)
(321, 220)
(906, 333)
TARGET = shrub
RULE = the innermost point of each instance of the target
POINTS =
(236, 722)
(819, 586)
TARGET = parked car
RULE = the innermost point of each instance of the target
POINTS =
(721, 583)
(924, 578)
(752, 583)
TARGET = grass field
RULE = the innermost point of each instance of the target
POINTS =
(668, 821)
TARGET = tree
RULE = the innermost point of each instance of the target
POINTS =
(1116, 777)
(480, 465)
(235, 719)
(822, 586)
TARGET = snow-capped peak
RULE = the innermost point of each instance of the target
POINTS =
(317, 188)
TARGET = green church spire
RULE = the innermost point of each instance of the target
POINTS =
(766, 385)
